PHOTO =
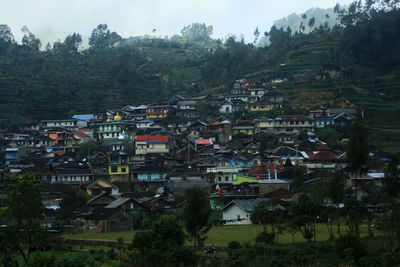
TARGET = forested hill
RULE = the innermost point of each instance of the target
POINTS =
(61, 79)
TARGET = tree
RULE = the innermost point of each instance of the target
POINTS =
(336, 185)
(256, 35)
(72, 42)
(6, 35)
(357, 148)
(305, 212)
(311, 22)
(72, 204)
(391, 190)
(354, 210)
(298, 177)
(197, 32)
(167, 232)
(23, 211)
(269, 213)
(196, 215)
(102, 37)
(29, 39)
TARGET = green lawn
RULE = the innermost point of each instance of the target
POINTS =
(222, 235)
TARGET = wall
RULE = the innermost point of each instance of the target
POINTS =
(232, 213)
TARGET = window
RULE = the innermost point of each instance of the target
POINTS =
(123, 169)
(226, 178)
(114, 169)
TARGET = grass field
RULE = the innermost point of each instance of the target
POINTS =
(222, 235)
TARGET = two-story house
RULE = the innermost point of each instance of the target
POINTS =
(147, 144)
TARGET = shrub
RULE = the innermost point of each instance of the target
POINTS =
(350, 246)
(264, 237)
(42, 259)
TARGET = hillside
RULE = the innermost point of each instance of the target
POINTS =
(359, 65)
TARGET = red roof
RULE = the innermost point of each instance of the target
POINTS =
(323, 147)
(263, 169)
(150, 139)
(324, 155)
(294, 118)
(81, 134)
(203, 142)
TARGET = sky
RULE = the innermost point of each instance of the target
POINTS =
(52, 20)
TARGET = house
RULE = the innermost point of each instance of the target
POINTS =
(293, 124)
(264, 125)
(242, 97)
(62, 137)
(71, 124)
(150, 173)
(256, 94)
(225, 107)
(135, 112)
(223, 174)
(196, 129)
(263, 105)
(118, 163)
(123, 214)
(245, 127)
(100, 200)
(100, 186)
(239, 211)
(181, 180)
(221, 129)
(144, 124)
(112, 129)
(159, 111)
(186, 105)
(146, 144)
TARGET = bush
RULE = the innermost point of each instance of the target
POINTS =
(234, 245)
(42, 259)
(180, 254)
(351, 247)
(264, 237)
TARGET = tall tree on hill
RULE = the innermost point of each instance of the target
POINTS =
(196, 215)
(197, 32)
(29, 39)
(102, 37)
(6, 35)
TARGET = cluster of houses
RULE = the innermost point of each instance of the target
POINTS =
(134, 163)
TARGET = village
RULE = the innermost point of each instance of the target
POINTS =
(136, 162)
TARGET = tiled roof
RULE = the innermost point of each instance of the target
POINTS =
(323, 147)
(293, 118)
(203, 142)
(263, 169)
(81, 134)
(280, 193)
(149, 138)
(324, 155)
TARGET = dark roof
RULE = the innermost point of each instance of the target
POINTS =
(93, 198)
(324, 155)
(118, 202)
(249, 204)
(147, 168)
(101, 213)
(60, 188)
(323, 147)
(279, 193)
